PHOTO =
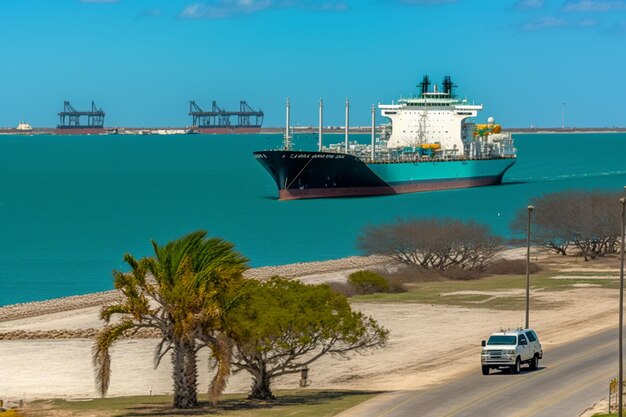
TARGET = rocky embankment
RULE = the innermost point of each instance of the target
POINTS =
(58, 305)
(309, 268)
(71, 334)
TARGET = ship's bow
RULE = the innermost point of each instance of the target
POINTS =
(301, 174)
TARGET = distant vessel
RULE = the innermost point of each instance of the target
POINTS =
(219, 121)
(24, 127)
(428, 146)
(70, 121)
(172, 131)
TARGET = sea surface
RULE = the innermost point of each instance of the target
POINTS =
(71, 206)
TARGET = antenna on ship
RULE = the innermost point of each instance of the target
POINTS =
(287, 138)
(319, 130)
(373, 130)
(424, 84)
(448, 86)
(347, 122)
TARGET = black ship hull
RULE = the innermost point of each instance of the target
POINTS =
(300, 175)
(319, 174)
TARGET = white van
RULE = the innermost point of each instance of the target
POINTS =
(511, 349)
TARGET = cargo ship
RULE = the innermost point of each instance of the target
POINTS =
(430, 143)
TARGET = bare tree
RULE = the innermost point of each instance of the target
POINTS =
(552, 222)
(432, 243)
(587, 221)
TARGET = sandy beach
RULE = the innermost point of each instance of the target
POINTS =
(45, 350)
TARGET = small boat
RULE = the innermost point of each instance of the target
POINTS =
(24, 127)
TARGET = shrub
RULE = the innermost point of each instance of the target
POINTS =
(396, 284)
(511, 267)
(459, 274)
(342, 288)
(368, 282)
(409, 274)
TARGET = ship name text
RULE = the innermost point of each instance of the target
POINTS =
(317, 156)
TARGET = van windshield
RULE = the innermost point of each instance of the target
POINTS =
(502, 340)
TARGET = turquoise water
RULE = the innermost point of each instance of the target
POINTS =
(70, 207)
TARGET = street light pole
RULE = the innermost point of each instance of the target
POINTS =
(621, 306)
(530, 209)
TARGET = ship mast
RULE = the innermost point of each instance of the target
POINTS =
(422, 127)
(373, 131)
(287, 137)
(347, 122)
(424, 85)
(319, 130)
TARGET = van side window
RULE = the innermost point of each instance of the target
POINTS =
(531, 337)
(522, 339)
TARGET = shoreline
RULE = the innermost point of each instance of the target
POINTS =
(28, 309)
(313, 272)
(305, 130)
(45, 346)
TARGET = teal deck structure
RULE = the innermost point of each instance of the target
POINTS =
(440, 170)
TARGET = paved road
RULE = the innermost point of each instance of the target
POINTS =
(570, 379)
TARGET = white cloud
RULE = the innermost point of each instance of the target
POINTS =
(219, 9)
(528, 4)
(149, 13)
(557, 22)
(593, 5)
(588, 23)
(426, 2)
(544, 23)
(224, 8)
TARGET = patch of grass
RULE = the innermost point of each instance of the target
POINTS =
(439, 292)
(511, 267)
(303, 403)
(11, 413)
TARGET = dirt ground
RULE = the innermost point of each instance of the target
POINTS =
(429, 344)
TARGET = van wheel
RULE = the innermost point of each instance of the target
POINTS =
(534, 364)
(485, 370)
(515, 369)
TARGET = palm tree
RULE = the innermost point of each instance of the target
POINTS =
(182, 293)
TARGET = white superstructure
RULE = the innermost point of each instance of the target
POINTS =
(24, 127)
(437, 118)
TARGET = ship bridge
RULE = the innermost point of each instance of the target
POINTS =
(434, 117)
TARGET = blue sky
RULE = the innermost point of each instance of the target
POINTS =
(143, 60)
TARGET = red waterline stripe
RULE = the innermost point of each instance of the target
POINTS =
(295, 194)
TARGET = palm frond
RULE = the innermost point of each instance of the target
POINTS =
(107, 311)
(222, 354)
(100, 353)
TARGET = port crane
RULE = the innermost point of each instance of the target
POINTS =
(218, 117)
(70, 117)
